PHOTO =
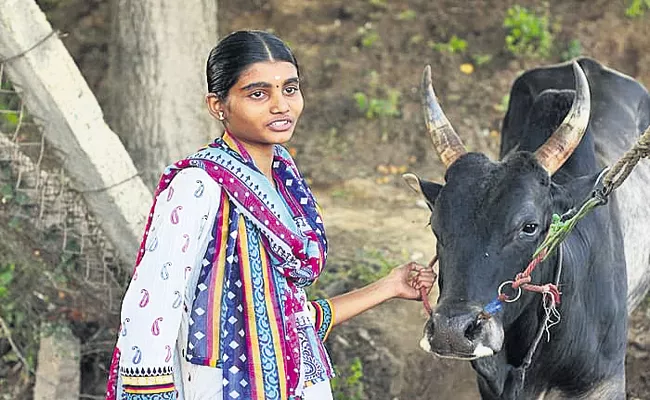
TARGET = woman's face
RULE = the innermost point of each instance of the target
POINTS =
(264, 105)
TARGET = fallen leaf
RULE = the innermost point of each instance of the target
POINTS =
(467, 68)
(382, 169)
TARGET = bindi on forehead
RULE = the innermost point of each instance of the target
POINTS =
(268, 75)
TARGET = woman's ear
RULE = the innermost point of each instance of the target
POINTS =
(215, 106)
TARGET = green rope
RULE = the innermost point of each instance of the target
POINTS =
(561, 226)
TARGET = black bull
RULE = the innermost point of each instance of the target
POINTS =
(489, 217)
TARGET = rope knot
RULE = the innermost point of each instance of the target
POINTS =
(547, 289)
(553, 291)
(521, 279)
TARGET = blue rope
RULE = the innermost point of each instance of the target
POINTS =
(493, 307)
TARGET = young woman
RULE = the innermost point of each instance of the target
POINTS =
(216, 308)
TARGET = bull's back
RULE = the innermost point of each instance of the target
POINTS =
(620, 115)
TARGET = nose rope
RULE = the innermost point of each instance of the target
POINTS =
(559, 229)
(549, 291)
(423, 291)
(561, 226)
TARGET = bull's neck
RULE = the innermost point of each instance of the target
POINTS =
(573, 356)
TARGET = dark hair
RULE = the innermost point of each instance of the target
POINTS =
(235, 52)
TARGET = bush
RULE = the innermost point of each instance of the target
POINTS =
(573, 50)
(455, 45)
(377, 107)
(637, 8)
(348, 384)
(528, 34)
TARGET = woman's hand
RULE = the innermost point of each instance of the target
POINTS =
(410, 281)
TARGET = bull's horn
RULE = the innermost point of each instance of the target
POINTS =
(559, 147)
(445, 140)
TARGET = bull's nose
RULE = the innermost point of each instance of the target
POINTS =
(455, 332)
(461, 335)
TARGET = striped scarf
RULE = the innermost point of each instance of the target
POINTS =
(248, 313)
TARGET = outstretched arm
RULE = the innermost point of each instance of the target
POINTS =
(405, 281)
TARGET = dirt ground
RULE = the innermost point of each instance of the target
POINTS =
(386, 338)
(354, 163)
(350, 158)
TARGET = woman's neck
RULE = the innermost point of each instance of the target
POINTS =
(263, 157)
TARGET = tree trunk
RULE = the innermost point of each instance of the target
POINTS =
(157, 80)
(56, 94)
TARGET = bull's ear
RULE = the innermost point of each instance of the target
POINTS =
(428, 190)
(575, 191)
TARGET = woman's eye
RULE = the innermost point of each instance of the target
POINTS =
(257, 95)
(529, 229)
(291, 90)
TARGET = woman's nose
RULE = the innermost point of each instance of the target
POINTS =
(280, 105)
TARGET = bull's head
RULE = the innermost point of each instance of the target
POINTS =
(488, 219)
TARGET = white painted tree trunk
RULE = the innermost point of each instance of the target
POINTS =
(57, 376)
(159, 73)
(157, 80)
(58, 97)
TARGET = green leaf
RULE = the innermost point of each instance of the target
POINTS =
(407, 15)
(22, 198)
(7, 191)
(362, 101)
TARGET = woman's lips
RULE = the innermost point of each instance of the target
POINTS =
(280, 125)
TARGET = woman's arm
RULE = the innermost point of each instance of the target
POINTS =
(405, 281)
(154, 301)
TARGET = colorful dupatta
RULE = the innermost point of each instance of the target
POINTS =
(249, 312)
(250, 296)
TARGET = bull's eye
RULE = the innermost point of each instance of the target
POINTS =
(529, 229)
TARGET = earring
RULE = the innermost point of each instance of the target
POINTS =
(221, 117)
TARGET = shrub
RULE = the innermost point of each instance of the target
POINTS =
(528, 34)
(637, 8)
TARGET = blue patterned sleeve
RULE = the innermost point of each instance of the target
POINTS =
(322, 314)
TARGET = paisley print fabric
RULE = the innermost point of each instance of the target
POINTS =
(232, 253)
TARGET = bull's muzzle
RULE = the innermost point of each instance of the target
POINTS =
(462, 334)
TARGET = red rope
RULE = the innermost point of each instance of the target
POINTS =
(423, 291)
(533, 264)
(523, 279)
(548, 288)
